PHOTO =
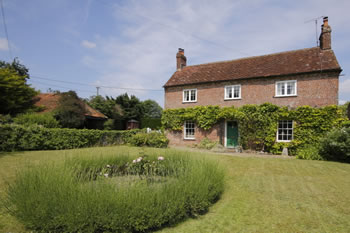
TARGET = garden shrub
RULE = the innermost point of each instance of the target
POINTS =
(152, 139)
(336, 145)
(206, 143)
(153, 123)
(309, 152)
(114, 193)
(5, 119)
(19, 137)
(45, 119)
(70, 111)
(109, 124)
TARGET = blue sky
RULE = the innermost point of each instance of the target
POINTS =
(132, 44)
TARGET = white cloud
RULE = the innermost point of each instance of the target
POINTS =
(341, 102)
(3, 44)
(88, 44)
(344, 87)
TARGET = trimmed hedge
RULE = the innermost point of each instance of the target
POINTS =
(153, 123)
(18, 137)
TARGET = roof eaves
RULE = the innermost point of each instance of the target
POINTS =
(256, 77)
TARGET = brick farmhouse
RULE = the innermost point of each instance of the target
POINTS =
(293, 78)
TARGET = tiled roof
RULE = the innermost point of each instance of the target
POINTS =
(50, 102)
(291, 62)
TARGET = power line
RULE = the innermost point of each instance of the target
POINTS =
(181, 31)
(91, 85)
(50, 85)
(5, 28)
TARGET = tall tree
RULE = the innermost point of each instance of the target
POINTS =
(132, 106)
(151, 109)
(104, 105)
(16, 95)
(70, 112)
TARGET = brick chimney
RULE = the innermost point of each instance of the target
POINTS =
(180, 59)
(325, 37)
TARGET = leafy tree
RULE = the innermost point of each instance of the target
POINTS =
(151, 109)
(104, 105)
(132, 106)
(70, 112)
(124, 108)
(16, 95)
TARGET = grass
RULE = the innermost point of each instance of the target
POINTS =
(261, 195)
(72, 194)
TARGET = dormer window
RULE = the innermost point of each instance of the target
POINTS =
(190, 95)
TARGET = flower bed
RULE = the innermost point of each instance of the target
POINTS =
(114, 193)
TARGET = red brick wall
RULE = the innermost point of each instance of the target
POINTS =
(216, 133)
(316, 90)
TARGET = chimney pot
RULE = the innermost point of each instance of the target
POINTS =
(180, 59)
(325, 21)
(325, 37)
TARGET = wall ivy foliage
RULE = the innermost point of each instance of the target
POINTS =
(258, 123)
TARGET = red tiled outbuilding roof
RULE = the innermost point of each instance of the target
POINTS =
(277, 64)
(50, 102)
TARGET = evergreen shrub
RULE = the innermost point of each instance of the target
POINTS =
(336, 145)
(152, 139)
(153, 123)
(15, 137)
(45, 119)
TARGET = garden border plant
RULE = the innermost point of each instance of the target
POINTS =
(15, 137)
(89, 195)
(258, 123)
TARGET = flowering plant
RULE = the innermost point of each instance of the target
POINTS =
(141, 166)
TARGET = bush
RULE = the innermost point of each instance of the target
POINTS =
(336, 145)
(109, 124)
(206, 143)
(18, 137)
(153, 139)
(46, 119)
(5, 119)
(309, 152)
(114, 194)
(153, 123)
(70, 111)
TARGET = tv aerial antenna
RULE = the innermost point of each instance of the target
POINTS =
(316, 27)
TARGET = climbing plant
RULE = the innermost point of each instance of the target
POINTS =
(258, 123)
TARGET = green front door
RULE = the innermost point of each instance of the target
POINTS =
(232, 134)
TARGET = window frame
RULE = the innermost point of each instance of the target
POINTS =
(232, 88)
(186, 136)
(190, 90)
(285, 83)
(278, 128)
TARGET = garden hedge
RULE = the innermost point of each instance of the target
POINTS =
(15, 137)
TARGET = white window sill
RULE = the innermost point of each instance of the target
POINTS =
(190, 139)
(283, 140)
(185, 102)
(234, 99)
(281, 96)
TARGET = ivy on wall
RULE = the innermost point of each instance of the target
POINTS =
(258, 123)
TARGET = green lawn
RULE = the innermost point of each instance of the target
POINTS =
(261, 195)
